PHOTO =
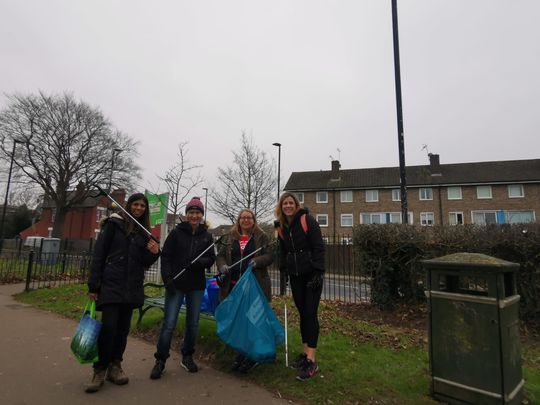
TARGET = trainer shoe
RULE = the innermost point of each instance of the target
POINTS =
(247, 365)
(189, 364)
(157, 370)
(299, 362)
(308, 371)
(238, 360)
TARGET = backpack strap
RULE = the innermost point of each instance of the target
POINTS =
(303, 224)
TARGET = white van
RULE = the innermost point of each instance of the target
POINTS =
(33, 241)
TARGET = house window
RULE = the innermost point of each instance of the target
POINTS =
(515, 191)
(455, 218)
(325, 240)
(483, 192)
(346, 240)
(322, 219)
(396, 194)
(371, 218)
(426, 194)
(520, 217)
(346, 220)
(322, 197)
(454, 193)
(101, 213)
(484, 217)
(346, 196)
(427, 219)
(372, 195)
(300, 197)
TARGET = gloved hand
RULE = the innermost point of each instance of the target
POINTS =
(252, 263)
(220, 279)
(224, 269)
(317, 280)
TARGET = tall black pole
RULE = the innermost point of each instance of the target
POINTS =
(7, 196)
(401, 141)
(205, 201)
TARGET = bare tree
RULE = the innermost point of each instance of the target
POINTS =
(66, 146)
(181, 178)
(249, 183)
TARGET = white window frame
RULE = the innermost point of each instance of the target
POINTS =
(300, 196)
(325, 239)
(423, 194)
(456, 213)
(351, 216)
(484, 212)
(510, 212)
(346, 240)
(371, 214)
(382, 217)
(346, 193)
(101, 213)
(456, 188)
(320, 194)
(374, 194)
(487, 188)
(425, 221)
(319, 216)
(396, 194)
(521, 191)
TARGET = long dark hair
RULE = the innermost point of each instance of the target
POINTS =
(144, 220)
(279, 213)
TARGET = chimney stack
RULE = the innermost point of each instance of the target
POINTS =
(434, 164)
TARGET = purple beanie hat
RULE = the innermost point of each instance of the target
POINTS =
(195, 204)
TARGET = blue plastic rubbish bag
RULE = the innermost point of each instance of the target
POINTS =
(246, 322)
(84, 343)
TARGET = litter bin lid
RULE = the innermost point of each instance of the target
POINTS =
(469, 261)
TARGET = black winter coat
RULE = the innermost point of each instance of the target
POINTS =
(118, 264)
(180, 248)
(300, 252)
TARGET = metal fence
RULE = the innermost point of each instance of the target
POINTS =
(343, 280)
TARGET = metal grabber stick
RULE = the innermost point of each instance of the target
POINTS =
(286, 340)
(127, 213)
(198, 257)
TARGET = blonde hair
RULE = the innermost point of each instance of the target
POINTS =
(279, 213)
(237, 231)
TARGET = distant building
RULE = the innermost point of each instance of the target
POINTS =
(82, 220)
(448, 194)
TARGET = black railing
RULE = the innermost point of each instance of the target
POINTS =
(344, 280)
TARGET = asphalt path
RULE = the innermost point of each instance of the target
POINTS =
(36, 367)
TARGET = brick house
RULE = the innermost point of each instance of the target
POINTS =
(82, 220)
(448, 194)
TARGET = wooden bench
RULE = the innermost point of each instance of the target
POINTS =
(158, 301)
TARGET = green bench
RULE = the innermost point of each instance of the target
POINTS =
(158, 301)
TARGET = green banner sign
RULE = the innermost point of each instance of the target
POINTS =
(157, 207)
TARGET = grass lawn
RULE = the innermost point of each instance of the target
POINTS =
(361, 362)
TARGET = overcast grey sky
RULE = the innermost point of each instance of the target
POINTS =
(313, 75)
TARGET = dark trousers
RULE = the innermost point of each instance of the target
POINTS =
(307, 301)
(116, 320)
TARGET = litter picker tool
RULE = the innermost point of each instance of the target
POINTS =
(286, 340)
(199, 256)
(127, 213)
(251, 254)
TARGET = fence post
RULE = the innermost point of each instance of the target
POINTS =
(29, 270)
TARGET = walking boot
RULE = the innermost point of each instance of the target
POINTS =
(115, 374)
(97, 381)
(157, 370)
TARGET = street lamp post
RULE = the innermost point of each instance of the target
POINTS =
(205, 202)
(15, 142)
(115, 153)
(278, 166)
(283, 278)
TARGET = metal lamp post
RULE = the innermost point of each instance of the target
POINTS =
(283, 278)
(15, 142)
(205, 201)
(115, 153)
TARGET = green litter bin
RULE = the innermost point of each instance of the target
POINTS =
(474, 347)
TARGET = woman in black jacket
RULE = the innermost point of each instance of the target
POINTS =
(302, 258)
(184, 244)
(122, 253)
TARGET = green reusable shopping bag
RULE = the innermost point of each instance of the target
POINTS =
(84, 343)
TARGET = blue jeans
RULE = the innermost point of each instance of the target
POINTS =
(173, 303)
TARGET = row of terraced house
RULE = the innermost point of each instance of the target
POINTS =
(497, 192)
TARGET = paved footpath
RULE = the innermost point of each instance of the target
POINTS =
(36, 367)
